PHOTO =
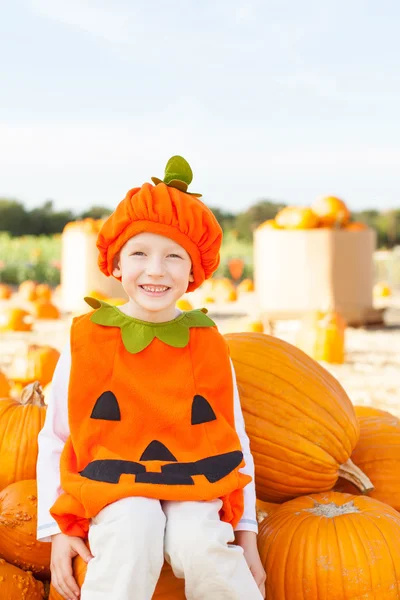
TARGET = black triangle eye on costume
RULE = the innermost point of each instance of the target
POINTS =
(106, 408)
(201, 411)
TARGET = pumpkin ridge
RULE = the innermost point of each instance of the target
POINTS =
(283, 427)
(356, 533)
(252, 385)
(383, 538)
(297, 453)
(316, 378)
(310, 416)
(306, 471)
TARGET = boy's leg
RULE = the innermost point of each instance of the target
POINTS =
(198, 546)
(126, 539)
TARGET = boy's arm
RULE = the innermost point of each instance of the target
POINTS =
(248, 522)
(51, 441)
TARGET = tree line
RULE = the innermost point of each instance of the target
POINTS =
(46, 220)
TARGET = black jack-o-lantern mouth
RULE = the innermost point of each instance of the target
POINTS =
(108, 470)
(213, 468)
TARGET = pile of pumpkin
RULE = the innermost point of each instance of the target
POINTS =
(327, 211)
(32, 301)
(308, 443)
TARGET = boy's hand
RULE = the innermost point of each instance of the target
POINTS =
(63, 549)
(248, 541)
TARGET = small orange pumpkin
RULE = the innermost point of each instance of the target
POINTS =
(20, 423)
(18, 520)
(382, 290)
(269, 224)
(34, 363)
(13, 318)
(322, 336)
(331, 211)
(296, 217)
(43, 291)
(27, 290)
(5, 291)
(247, 285)
(255, 326)
(44, 309)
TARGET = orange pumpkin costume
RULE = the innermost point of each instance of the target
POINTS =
(151, 406)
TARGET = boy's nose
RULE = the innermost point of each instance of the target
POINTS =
(155, 267)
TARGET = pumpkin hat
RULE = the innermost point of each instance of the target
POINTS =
(168, 209)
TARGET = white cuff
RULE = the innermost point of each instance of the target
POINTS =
(247, 525)
(44, 532)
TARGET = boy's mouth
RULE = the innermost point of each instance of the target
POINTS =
(154, 290)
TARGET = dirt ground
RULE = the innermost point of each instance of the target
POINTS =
(370, 375)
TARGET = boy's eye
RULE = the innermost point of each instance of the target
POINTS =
(175, 255)
(138, 253)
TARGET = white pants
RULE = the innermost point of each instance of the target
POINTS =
(130, 538)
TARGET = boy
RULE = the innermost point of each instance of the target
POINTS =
(155, 462)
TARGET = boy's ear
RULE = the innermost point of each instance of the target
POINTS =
(116, 267)
(191, 278)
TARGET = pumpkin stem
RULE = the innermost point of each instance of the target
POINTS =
(32, 394)
(352, 473)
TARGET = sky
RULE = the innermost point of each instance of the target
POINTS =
(266, 99)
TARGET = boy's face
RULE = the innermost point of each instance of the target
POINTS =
(155, 272)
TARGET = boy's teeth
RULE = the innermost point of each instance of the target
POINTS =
(152, 288)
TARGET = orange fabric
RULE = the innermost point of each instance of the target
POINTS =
(155, 390)
(169, 212)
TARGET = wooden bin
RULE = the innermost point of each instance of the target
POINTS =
(297, 271)
(80, 273)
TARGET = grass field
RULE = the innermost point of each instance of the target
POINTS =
(39, 258)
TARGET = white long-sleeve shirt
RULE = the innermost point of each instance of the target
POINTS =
(56, 431)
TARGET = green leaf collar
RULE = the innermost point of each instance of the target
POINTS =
(137, 335)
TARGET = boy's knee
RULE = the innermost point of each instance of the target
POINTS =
(185, 539)
(134, 516)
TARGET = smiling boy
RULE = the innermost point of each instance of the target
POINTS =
(144, 449)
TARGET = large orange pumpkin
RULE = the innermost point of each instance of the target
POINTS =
(15, 584)
(332, 212)
(168, 586)
(296, 217)
(331, 547)
(300, 421)
(377, 453)
(18, 519)
(20, 423)
(34, 363)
